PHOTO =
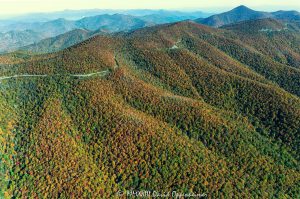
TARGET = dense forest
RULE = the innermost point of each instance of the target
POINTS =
(180, 107)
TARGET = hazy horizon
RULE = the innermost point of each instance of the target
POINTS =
(11, 8)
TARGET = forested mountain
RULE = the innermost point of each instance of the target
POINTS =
(179, 106)
(275, 39)
(257, 26)
(243, 13)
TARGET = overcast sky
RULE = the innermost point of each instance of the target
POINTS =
(8, 7)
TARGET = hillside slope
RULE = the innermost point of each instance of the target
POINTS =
(180, 108)
(276, 39)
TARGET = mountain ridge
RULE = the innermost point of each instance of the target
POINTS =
(200, 115)
(243, 13)
(109, 22)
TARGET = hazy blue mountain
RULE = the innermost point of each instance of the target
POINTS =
(116, 22)
(39, 21)
(170, 13)
(52, 32)
(287, 15)
(66, 14)
(243, 13)
(48, 29)
(57, 27)
(113, 23)
(164, 18)
(12, 40)
(79, 14)
(23, 34)
(62, 41)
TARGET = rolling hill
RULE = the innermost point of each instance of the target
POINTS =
(177, 107)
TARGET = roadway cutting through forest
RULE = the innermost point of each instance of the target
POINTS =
(100, 73)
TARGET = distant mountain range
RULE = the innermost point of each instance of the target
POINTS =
(62, 41)
(110, 22)
(243, 13)
(43, 30)
(61, 33)
(79, 14)
(116, 22)
(12, 40)
(35, 20)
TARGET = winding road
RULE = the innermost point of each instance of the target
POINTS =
(100, 73)
(16, 76)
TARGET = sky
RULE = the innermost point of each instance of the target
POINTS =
(17, 7)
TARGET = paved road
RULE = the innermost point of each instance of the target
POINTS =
(101, 73)
(16, 76)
